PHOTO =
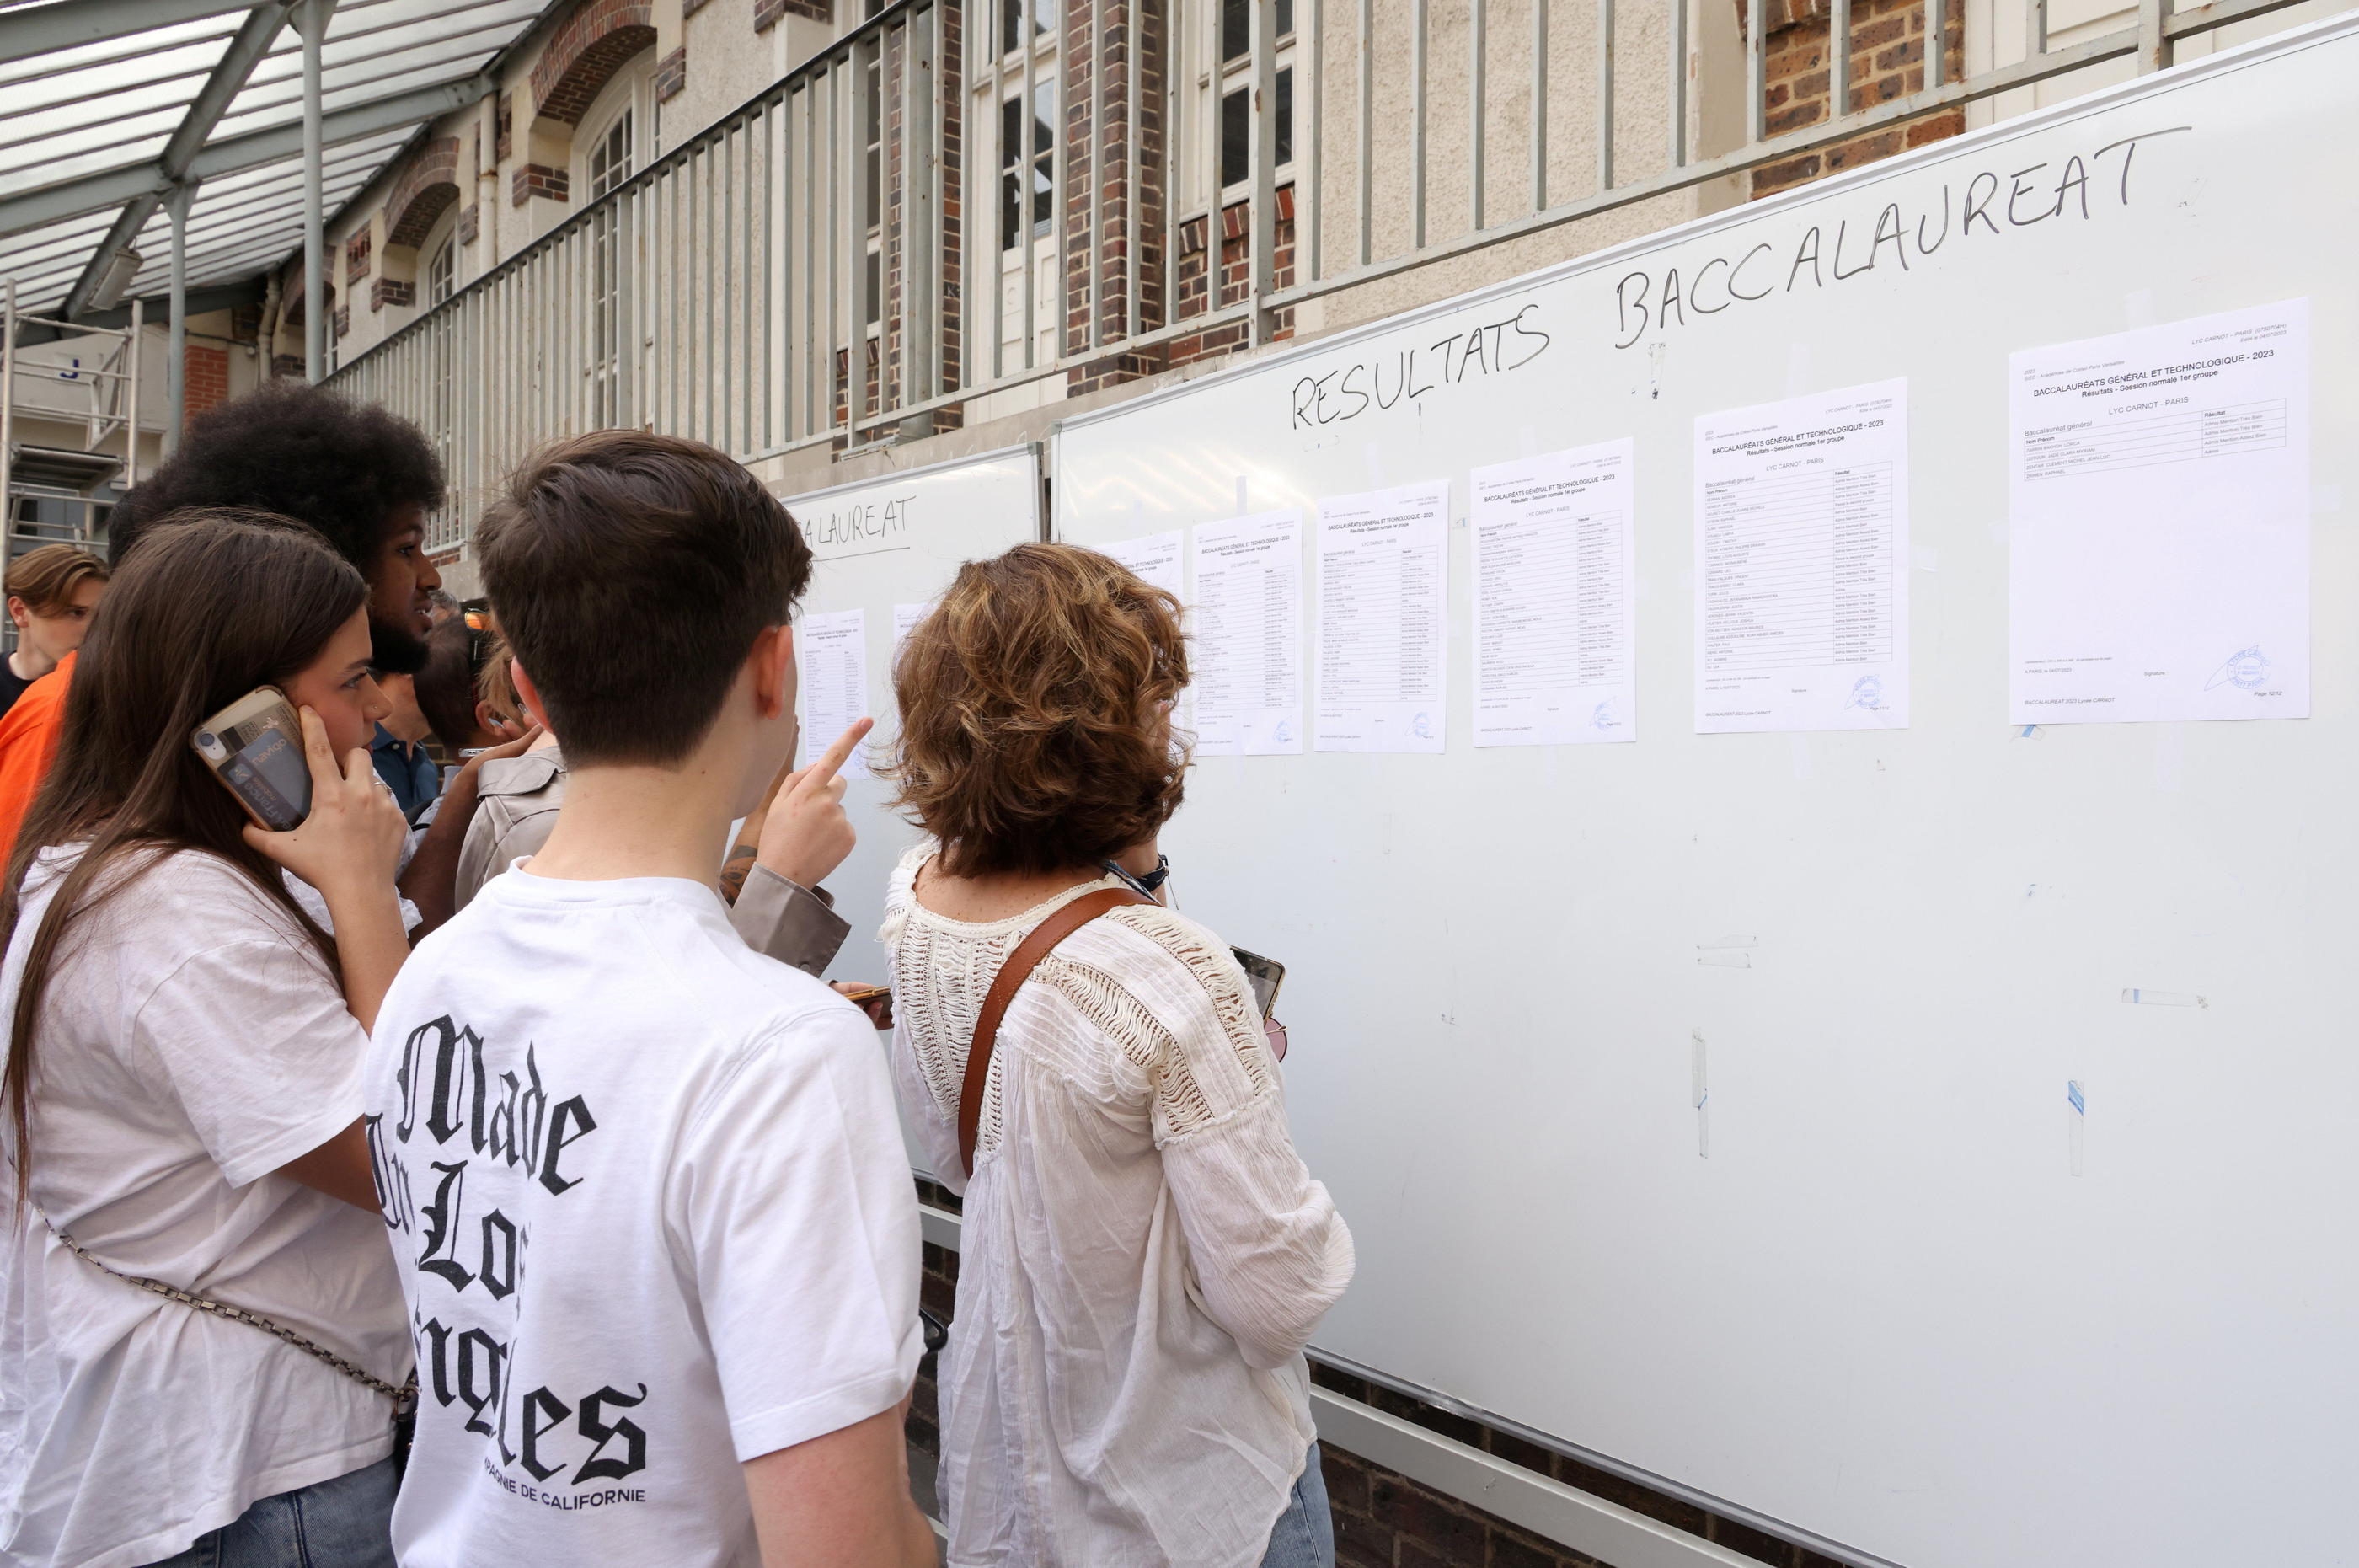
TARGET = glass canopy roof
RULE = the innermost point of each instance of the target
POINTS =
(93, 91)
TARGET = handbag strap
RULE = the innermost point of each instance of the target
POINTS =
(1012, 975)
(358, 1374)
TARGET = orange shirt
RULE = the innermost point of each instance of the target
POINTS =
(28, 742)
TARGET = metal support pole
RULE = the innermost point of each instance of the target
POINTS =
(1605, 94)
(312, 22)
(1838, 59)
(1262, 142)
(1478, 100)
(1417, 125)
(134, 350)
(1540, 106)
(1937, 43)
(1367, 42)
(176, 206)
(2154, 50)
(1756, 70)
(8, 416)
(1679, 95)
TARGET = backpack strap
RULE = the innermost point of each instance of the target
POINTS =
(1012, 975)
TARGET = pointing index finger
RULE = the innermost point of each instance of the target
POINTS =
(834, 758)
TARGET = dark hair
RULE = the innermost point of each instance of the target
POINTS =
(1036, 728)
(45, 578)
(298, 451)
(215, 605)
(631, 573)
(445, 683)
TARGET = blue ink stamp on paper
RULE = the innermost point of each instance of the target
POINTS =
(1605, 717)
(2247, 670)
(1421, 727)
(1867, 692)
(1284, 733)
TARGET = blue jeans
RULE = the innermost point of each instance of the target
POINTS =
(1304, 1536)
(346, 1522)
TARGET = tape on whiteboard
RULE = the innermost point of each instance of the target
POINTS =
(1798, 369)
(1699, 1096)
(2137, 996)
(1531, 442)
(1924, 558)
(2077, 1117)
(1242, 493)
(1376, 455)
(1800, 748)
(2326, 499)
(1728, 953)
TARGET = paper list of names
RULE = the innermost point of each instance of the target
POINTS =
(1248, 636)
(1383, 606)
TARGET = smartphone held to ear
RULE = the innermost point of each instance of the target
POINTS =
(255, 747)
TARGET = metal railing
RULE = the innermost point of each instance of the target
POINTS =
(104, 400)
(943, 206)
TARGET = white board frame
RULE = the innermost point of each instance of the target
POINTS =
(1661, 717)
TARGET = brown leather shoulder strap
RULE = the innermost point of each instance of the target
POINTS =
(1012, 975)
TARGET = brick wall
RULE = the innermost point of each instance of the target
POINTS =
(1234, 277)
(671, 77)
(1887, 60)
(1383, 1520)
(767, 12)
(588, 49)
(207, 378)
(533, 179)
(356, 256)
(1101, 129)
(428, 185)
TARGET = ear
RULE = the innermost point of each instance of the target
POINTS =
(19, 612)
(772, 657)
(492, 722)
(529, 694)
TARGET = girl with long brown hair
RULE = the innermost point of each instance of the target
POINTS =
(182, 1093)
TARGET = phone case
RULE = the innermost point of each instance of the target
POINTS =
(256, 749)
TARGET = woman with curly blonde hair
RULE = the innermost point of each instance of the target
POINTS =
(1144, 1256)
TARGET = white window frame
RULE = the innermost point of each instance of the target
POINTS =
(1201, 21)
(989, 95)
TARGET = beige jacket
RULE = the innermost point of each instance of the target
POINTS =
(517, 801)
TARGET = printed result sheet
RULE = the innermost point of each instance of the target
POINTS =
(2158, 497)
(1555, 556)
(832, 656)
(1248, 636)
(1383, 618)
(1801, 549)
(1155, 558)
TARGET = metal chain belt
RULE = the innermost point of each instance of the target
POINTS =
(400, 1396)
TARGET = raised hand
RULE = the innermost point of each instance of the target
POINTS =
(805, 833)
(351, 841)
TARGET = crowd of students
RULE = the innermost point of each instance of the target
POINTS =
(480, 1174)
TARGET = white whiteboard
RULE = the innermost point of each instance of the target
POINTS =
(1883, 1308)
(899, 539)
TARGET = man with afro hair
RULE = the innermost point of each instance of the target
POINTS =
(364, 478)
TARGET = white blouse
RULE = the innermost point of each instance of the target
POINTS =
(1144, 1254)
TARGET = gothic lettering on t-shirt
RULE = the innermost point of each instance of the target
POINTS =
(466, 1105)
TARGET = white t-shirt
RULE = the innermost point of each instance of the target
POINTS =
(192, 1041)
(653, 1217)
